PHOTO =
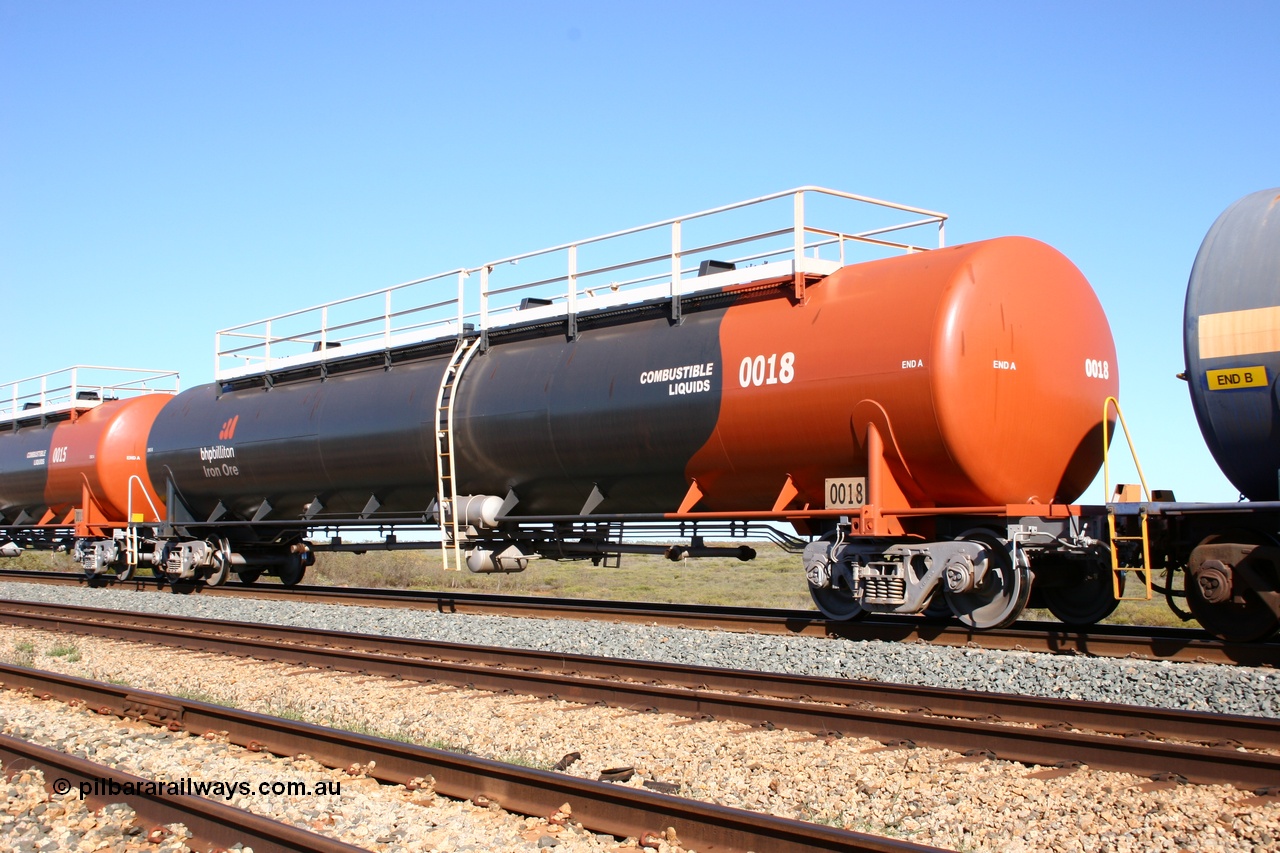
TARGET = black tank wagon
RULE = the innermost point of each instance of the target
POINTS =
(762, 389)
(921, 416)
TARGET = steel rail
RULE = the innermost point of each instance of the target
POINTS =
(1173, 644)
(955, 720)
(1201, 727)
(213, 825)
(599, 806)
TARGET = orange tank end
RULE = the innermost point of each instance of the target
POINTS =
(982, 368)
(97, 464)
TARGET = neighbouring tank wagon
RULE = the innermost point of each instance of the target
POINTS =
(74, 472)
(1231, 336)
(1232, 343)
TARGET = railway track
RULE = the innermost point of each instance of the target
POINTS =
(1174, 644)
(599, 806)
(212, 825)
(1158, 743)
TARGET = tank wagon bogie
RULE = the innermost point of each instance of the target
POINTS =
(216, 558)
(924, 420)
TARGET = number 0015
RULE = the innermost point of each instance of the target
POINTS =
(846, 492)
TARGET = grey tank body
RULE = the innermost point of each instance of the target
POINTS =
(549, 418)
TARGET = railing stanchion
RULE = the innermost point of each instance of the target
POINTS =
(572, 294)
(462, 314)
(571, 301)
(798, 229)
(675, 258)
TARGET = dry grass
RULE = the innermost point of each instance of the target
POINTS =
(41, 561)
(1153, 613)
(773, 579)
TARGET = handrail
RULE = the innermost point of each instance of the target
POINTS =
(281, 340)
(80, 386)
(1106, 462)
(154, 512)
(131, 524)
(345, 300)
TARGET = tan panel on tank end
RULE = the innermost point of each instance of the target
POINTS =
(1246, 332)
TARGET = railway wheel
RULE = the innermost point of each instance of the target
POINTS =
(938, 611)
(292, 570)
(221, 571)
(836, 603)
(249, 576)
(1086, 602)
(125, 572)
(221, 563)
(1233, 585)
(1001, 596)
(831, 587)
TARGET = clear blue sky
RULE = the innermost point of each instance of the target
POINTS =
(169, 169)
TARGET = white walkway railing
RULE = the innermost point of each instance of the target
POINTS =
(804, 230)
(83, 386)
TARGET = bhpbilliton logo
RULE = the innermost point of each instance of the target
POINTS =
(221, 453)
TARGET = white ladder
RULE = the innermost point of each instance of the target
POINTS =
(451, 531)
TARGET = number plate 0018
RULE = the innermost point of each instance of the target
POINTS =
(846, 492)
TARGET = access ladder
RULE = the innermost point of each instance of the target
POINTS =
(451, 528)
(1125, 494)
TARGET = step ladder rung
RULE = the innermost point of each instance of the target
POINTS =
(1118, 571)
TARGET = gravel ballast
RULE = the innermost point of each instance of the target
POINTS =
(388, 818)
(36, 821)
(1216, 688)
(927, 795)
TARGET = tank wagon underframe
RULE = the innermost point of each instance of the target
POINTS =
(1229, 555)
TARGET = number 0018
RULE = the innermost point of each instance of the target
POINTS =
(846, 492)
